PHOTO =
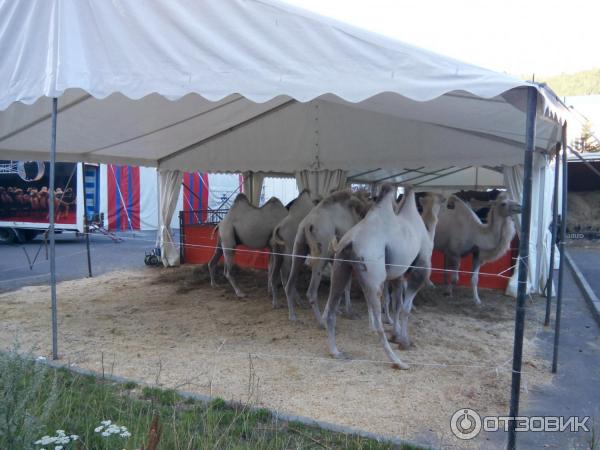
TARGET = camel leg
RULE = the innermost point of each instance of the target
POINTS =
(348, 300)
(386, 302)
(228, 244)
(228, 260)
(475, 277)
(300, 249)
(452, 268)
(446, 281)
(212, 264)
(270, 273)
(415, 280)
(275, 267)
(341, 272)
(313, 288)
(398, 296)
(374, 299)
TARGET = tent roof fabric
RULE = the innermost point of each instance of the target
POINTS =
(247, 85)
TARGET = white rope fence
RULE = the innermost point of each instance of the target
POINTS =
(268, 252)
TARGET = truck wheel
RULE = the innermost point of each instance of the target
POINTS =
(8, 235)
(28, 235)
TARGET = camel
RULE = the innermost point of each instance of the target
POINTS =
(461, 232)
(244, 224)
(392, 243)
(330, 219)
(282, 241)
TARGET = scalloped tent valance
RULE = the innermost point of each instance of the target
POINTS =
(246, 85)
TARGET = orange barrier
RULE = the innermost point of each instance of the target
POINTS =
(201, 235)
(198, 247)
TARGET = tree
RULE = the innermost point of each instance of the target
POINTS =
(588, 141)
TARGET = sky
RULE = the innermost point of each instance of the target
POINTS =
(546, 37)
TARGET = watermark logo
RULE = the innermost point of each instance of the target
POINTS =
(467, 423)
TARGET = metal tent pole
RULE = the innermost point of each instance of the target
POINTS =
(86, 225)
(553, 245)
(561, 249)
(523, 256)
(51, 231)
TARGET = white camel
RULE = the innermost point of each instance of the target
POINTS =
(244, 224)
(282, 241)
(461, 232)
(391, 243)
(329, 220)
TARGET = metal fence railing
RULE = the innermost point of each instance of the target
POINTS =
(197, 218)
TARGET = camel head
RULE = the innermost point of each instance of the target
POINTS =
(387, 193)
(432, 202)
(505, 206)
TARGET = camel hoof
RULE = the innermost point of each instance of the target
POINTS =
(402, 344)
(400, 366)
(341, 356)
(240, 295)
(351, 315)
(478, 303)
(293, 318)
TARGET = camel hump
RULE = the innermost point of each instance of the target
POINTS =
(241, 197)
(274, 200)
(337, 197)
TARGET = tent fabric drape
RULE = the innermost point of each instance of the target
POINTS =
(169, 182)
(541, 215)
(321, 182)
(252, 186)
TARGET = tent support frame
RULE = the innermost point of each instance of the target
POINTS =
(561, 249)
(532, 96)
(86, 225)
(51, 230)
(550, 281)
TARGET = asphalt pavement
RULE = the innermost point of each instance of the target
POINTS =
(587, 258)
(28, 264)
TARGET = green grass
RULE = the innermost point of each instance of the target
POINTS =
(36, 400)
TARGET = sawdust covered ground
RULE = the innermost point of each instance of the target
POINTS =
(168, 326)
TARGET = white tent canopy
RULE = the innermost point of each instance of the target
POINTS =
(248, 85)
(258, 85)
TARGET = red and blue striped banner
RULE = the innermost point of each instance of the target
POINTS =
(123, 183)
(195, 196)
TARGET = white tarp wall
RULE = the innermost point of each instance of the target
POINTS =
(169, 188)
(285, 189)
(541, 216)
(321, 182)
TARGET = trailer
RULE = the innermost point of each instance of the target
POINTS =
(24, 198)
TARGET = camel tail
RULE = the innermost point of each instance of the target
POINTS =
(212, 236)
(277, 240)
(313, 245)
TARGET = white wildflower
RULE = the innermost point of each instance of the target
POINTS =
(105, 433)
(106, 422)
(99, 429)
(40, 358)
(74, 437)
(125, 434)
(58, 447)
